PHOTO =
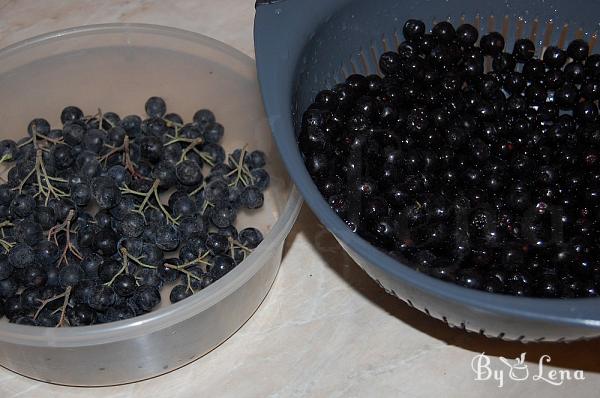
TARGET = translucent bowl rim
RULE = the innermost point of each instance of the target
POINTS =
(191, 306)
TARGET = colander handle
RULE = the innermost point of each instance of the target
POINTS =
(266, 2)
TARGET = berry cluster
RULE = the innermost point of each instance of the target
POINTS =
(86, 236)
(471, 163)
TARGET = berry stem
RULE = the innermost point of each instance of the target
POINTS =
(235, 243)
(127, 190)
(50, 189)
(171, 123)
(189, 284)
(24, 181)
(3, 242)
(138, 262)
(183, 270)
(127, 162)
(40, 172)
(196, 261)
(69, 247)
(100, 117)
(63, 309)
(41, 136)
(195, 191)
(175, 140)
(124, 268)
(47, 301)
(162, 208)
(205, 156)
(152, 189)
(241, 171)
(192, 145)
(205, 206)
(113, 150)
(6, 244)
(27, 142)
(52, 140)
(7, 157)
(147, 195)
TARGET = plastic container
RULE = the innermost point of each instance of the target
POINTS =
(339, 37)
(117, 67)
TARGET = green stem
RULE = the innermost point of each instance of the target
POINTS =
(52, 140)
(195, 191)
(22, 144)
(172, 123)
(123, 268)
(100, 119)
(205, 156)
(175, 140)
(235, 243)
(146, 195)
(192, 145)
(127, 190)
(206, 205)
(48, 189)
(7, 157)
(189, 284)
(196, 261)
(45, 302)
(188, 273)
(6, 244)
(162, 208)
(22, 184)
(241, 171)
(138, 262)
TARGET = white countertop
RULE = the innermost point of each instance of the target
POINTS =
(325, 329)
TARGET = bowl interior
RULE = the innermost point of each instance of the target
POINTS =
(116, 68)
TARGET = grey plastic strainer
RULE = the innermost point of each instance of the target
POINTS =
(303, 46)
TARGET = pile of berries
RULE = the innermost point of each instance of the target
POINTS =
(472, 162)
(99, 217)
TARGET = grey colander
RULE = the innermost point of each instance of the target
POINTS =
(303, 46)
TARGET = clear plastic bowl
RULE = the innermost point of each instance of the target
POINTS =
(117, 67)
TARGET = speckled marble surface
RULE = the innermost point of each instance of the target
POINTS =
(325, 329)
